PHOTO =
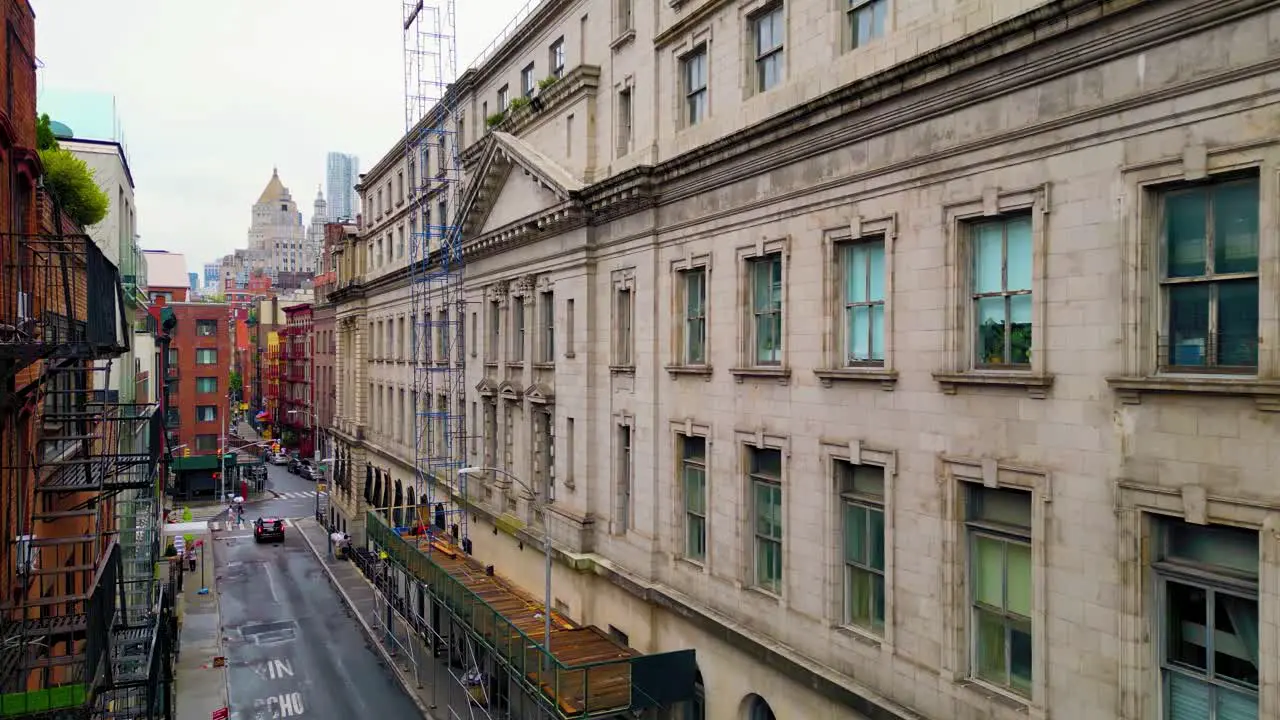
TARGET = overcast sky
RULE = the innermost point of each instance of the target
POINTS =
(211, 95)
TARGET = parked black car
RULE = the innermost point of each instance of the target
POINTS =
(294, 464)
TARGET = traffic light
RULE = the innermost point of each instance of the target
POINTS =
(217, 476)
(275, 448)
(186, 452)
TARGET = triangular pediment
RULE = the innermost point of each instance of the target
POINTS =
(486, 387)
(539, 393)
(509, 391)
(514, 182)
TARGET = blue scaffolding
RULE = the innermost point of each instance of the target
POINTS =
(432, 124)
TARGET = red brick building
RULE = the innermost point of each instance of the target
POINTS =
(199, 369)
(325, 330)
(297, 405)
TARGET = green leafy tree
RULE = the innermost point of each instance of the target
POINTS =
(44, 134)
(237, 382)
(70, 180)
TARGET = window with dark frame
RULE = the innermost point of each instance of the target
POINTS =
(694, 292)
(624, 475)
(769, 30)
(1209, 282)
(556, 57)
(206, 328)
(865, 21)
(1002, 251)
(765, 276)
(527, 81)
(517, 327)
(1001, 588)
(862, 496)
(548, 345)
(693, 479)
(1208, 619)
(765, 478)
(862, 269)
(695, 85)
(624, 313)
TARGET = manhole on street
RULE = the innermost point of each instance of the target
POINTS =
(268, 633)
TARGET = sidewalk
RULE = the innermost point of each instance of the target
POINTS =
(200, 687)
(434, 690)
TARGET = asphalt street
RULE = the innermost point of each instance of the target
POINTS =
(292, 650)
(288, 496)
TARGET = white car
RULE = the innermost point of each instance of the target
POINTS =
(278, 458)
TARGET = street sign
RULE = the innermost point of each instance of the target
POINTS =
(321, 487)
(219, 714)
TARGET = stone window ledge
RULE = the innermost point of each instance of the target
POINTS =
(677, 370)
(622, 369)
(544, 366)
(1036, 385)
(1266, 393)
(887, 378)
(620, 41)
(780, 373)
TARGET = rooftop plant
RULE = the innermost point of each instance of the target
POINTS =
(69, 179)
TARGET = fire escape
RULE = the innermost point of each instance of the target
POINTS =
(73, 462)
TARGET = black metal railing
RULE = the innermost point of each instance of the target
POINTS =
(59, 297)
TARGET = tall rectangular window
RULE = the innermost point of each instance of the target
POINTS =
(502, 98)
(548, 343)
(625, 115)
(1210, 279)
(527, 81)
(695, 85)
(207, 443)
(495, 330)
(206, 328)
(1208, 620)
(862, 525)
(206, 384)
(490, 432)
(206, 356)
(1002, 291)
(694, 335)
(206, 413)
(624, 478)
(693, 478)
(623, 16)
(173, 358)
(765, 275)
(862, 270)
(998, 525)
(624, 313)
(765, 478)
(769, 30)
(866, 21)
(556, 58)
(517, 329)
(569, 322)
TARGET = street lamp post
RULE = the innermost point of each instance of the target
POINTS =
(542, 502)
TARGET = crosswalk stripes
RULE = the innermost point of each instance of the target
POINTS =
(295, 495)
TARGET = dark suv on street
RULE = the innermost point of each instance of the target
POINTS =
(266, 529)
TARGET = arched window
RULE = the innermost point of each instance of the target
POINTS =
(756, 708)
(397, 513)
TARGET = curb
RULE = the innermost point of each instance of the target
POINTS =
(405, 683)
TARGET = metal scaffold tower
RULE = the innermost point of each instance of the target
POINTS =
(436, 267)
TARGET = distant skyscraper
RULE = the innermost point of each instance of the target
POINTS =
(212, 276)
(277, 238)
(193, 281)
(319, 216)
(342, 172)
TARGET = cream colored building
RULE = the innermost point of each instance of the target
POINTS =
(906, 360)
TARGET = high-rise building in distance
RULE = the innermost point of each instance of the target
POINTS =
(342, 171)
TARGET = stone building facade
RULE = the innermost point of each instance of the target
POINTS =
(905, 361)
